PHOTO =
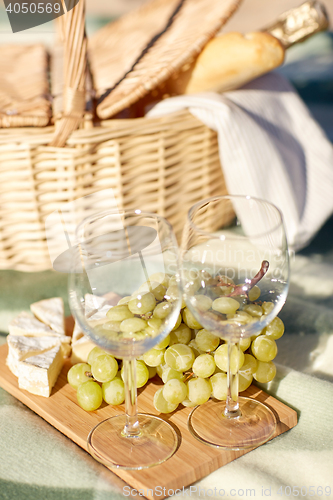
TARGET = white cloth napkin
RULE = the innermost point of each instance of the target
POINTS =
(270, 147)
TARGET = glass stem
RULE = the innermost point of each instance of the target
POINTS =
(132, 427)
(232, 407)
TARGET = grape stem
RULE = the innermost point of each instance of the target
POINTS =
(244, 289)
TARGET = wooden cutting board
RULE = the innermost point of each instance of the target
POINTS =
(192, 460)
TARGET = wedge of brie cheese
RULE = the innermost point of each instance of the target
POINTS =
(37, 346)
(38, 374)
(51, 312)
(21, 348)
(28, 326)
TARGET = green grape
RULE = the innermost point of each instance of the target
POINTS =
(104, 368)
(249, 366)
(275, 329)
(94, 353)
(124, 300)
(264, 348)
(78, 374)
(178, 322)
(89, 395)
(202, 302)
(114, 391)
(142, 334)
(161, 278)
(142, 303)
(254, 293)
(174, 391)
(112, 326)
(155, 288)
(188, 404)
(225, 305)
(254, 310)
(206, 341)
(204, 366)
(190, 320)
(155, 324)
(162, 310)
(240, 318)
(223, 290)
(180, 357)
(199, 390)
(154, 357)
(192, 281)
(169, 373)
(161, 404)
(267, 307)
(152, 370)
(255, 335)
(159, 369)
(132, 325)
(173, 293)
(236, 358)
(182, 335)
(205, 278)
(245, 343)
(142, 373)
(244, 381)
(119, 313)
(193, 345)
(265, 372)
(219, 386)
(163, 344)
(245, 375)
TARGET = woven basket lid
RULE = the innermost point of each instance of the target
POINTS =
(137, 53)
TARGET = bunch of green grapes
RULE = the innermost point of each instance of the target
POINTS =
(191, 361)
(195, 366)
(195, 360)
(101, 378)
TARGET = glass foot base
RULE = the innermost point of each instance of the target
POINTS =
(156, 443)
(253, 427)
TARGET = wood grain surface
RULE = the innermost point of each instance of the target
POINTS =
(192, 460)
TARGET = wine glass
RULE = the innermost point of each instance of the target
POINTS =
(126, 264)
(234, 275)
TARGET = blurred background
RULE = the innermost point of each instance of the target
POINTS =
(309, 65)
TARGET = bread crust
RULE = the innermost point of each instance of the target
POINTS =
(229, 61)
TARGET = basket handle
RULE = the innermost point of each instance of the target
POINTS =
(72, 25)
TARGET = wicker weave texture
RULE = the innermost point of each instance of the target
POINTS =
(160, 165)
(24, 86)
(193, 24)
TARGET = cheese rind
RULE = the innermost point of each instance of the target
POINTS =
(38, 374)
(28, 326)
(25, 324)
(51, 312)
(22, 348)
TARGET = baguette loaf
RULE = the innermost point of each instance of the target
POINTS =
(227, 62)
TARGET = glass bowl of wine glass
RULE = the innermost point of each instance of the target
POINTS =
(124, 293)
(235, 275)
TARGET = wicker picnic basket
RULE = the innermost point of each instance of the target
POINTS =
(160, 165)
